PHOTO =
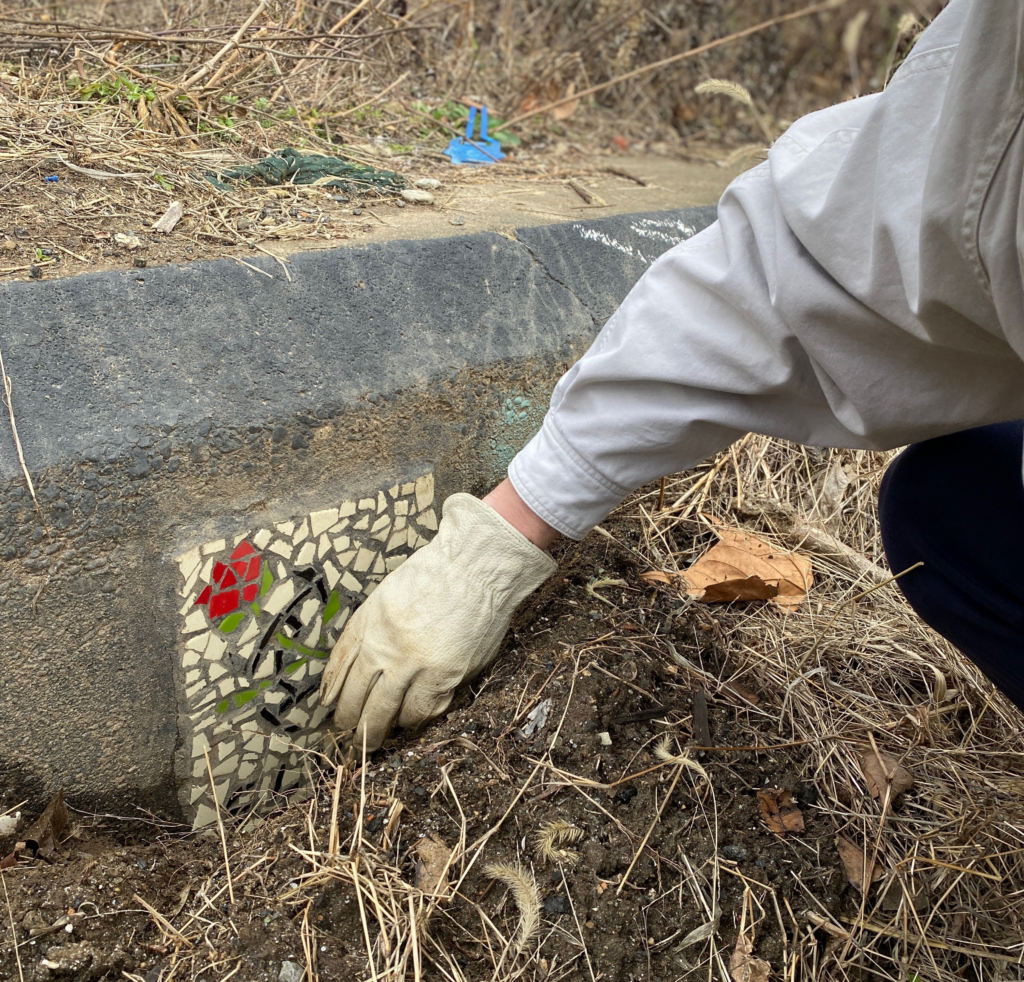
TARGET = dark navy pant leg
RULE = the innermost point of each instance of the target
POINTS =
(956, 504)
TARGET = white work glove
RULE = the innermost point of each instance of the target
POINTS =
(434, 622)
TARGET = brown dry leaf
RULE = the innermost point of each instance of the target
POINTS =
(563, 112)
(779, 811)
(657, 576)
(41, 839)
(742, 692)
(744, 567)
(877, 767)
(857, 864)
(432, 857)
(744, 966)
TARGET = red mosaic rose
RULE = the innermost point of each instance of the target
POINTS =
(233, 582)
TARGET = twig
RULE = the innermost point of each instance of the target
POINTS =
(220, 826)
(691, 53)
(165, 925)
(205, 69)
(657, 818)
(14, 932)
(5, 379)
(860, 596)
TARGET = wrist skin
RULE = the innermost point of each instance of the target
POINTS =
(505, 500)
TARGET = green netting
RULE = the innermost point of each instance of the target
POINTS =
(288, 166)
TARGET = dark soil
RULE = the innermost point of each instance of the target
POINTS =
(606, 668)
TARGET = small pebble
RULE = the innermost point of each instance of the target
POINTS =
(458, 220)
(139, 263)
(291, 972)
(734, 852)
(626, 795)
(606, 738)
(35, 272)
(415, 197)
(343, 198)
(427, 184)
(399, 203)
(557, 905)
(357, 211)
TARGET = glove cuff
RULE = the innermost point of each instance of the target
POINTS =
(484, 545)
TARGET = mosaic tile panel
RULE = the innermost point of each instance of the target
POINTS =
(261, 613)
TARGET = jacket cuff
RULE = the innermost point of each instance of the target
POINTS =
(560, 486)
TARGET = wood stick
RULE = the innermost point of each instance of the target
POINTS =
(220, 825)
(691, 53)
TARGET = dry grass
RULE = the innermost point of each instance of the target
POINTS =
(840, 679)
(148, 96)
(852, 677)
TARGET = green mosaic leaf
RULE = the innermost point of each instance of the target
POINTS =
(332, 608)
(285, 642)
(295, 666)
(231, 622)
(255, 607)
(241, 698)
(222, 706)
(265, 684)
(321, 655)
(267, 582)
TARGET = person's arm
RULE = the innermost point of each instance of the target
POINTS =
(844, 297)
(505, 500)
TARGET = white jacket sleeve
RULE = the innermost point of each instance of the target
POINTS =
(862, 288)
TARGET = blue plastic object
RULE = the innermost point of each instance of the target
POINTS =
(52, 179)
(482, 150)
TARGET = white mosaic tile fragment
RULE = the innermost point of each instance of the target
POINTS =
(215, 648)
(324, 546)
(312, 636)
(191, 582)
(382, 502)
(347, 509)
(321, 521)
(302, 534)
(195, 621)
(189, 659)
(212, 547)
(349, 582)
(365, 504)
(282, 548)
(364, 560)
(393, 562)
(378, 566)
(306, 553)
(401, 507)
(341, 543)
(397, 540)
(282, 595)
(345, 558)
(261, 538)
(424, 491)
(188, 562)
(362, 525)
(332, 574)
(408, 489)
(427, 520)
(252, 628)
(308, 609)
(281, 570)
(207, 570)
(285, 528)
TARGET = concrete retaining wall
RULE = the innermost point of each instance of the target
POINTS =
(227, 462)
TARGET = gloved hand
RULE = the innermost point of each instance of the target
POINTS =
(434, 622)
